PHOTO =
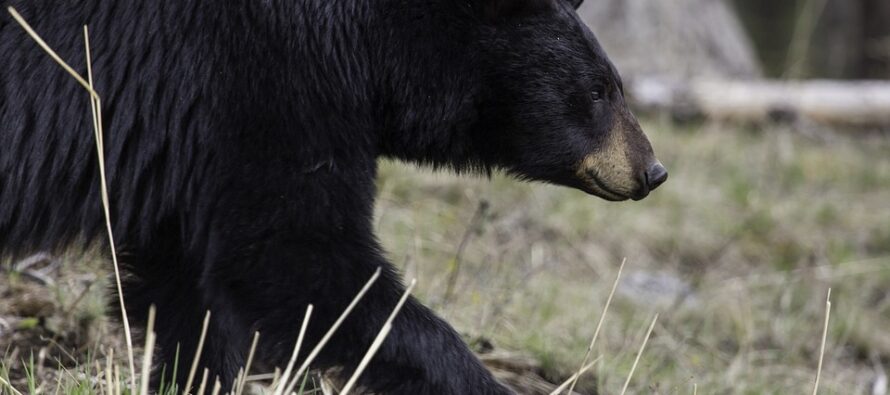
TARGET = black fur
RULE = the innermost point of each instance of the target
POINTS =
(241, 143)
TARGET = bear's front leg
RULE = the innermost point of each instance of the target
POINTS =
(424, 355)
(285, 235)
(421, 355)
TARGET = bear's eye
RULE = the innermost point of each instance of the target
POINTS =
(597, 94)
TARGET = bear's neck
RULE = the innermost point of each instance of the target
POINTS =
(397, 79)
(430, 85)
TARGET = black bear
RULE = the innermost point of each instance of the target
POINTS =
(242, 140)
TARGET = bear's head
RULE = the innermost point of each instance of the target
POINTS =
(554, 106)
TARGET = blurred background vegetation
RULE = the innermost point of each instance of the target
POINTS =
(848, 39)
(736, 252)
(844, 39)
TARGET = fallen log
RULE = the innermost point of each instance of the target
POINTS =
(831, 102)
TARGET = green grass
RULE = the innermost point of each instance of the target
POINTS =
(735, 252)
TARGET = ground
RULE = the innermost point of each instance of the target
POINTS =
(736, 253)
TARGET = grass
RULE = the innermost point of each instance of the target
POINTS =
(84, 379)
(735, 253)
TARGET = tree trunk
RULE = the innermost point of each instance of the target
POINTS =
(877, 35)
(847, 39)
(859, 104)
(679, 38)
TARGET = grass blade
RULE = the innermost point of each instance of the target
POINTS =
(147, 352)
(203, 386)
(6, 384)
(336, 325)
(283, 387)
(599, 326)
(381, 336)
(575, 376)
(824, 337)
(640, 353)
(197, 357)
(46, 48)
(239, 386)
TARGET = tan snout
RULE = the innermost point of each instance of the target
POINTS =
(624, 165)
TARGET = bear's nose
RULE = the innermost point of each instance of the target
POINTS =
(656, 175)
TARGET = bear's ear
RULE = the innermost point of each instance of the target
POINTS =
(576, 3)
(499, 9)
